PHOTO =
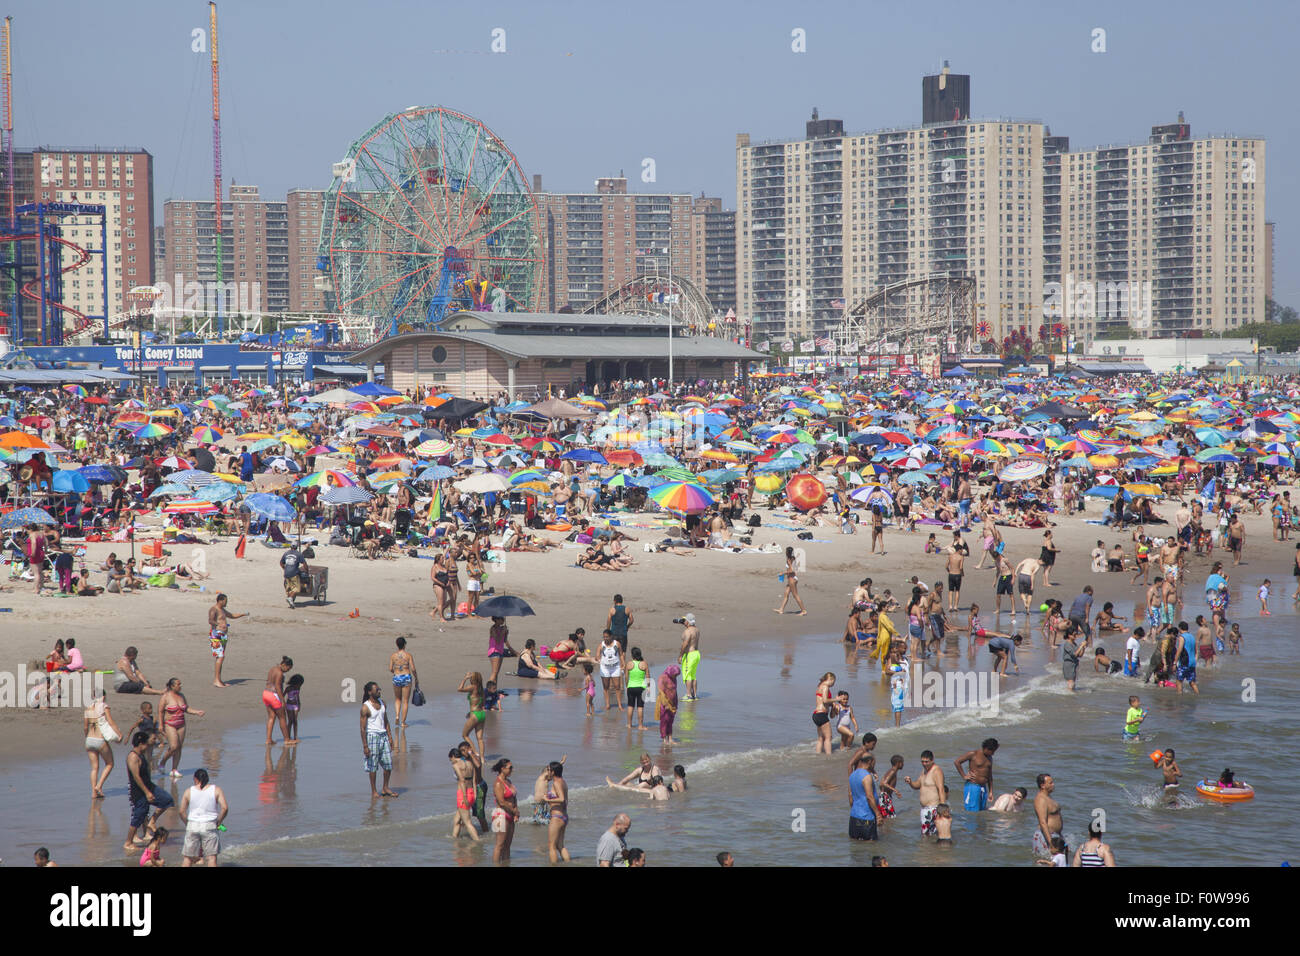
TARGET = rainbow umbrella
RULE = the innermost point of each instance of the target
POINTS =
(152, 430)
(75, 390)
(433, 448)
(190, 506)
(207, 435)
(682, 496)
(325, 479)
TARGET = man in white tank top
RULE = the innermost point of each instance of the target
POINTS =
(202, 809)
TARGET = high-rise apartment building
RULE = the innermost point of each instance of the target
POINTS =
(597, 242)
(1166, 237)
(255, 252)
(305, 207)
(121, 180)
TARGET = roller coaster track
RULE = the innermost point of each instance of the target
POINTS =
(31, 290)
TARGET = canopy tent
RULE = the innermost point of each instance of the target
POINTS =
(556, 408)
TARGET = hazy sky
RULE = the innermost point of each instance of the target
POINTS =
(586, 89)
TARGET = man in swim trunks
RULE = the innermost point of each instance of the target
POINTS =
(273, 698)
(1048, 812)
(219, 634)
(931, 791)
(1026, 571)
(1005, 576)
(956, 564)
(979, 778)
(689, 656)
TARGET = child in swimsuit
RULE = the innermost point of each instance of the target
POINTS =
(152, 855)
(589, 689)
(888, 788)
(292, 703)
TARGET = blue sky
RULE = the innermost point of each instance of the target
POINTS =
(586, 89)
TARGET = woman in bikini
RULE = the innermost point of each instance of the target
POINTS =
(463, 771)
(791, 584)
(273, 698)
(438, 575)
(557, 798)
(821, 717)
(506, 814)
(174, 708)
(402, 666)
(99, 729)
(472, 688)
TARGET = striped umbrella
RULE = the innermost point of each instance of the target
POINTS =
(151, 430)
(678, 474)
(347, 495)
(194, 478)
(190, 506)
(75, 390)
(805, 492)
(207, 435)
(682, 496)
(166, 491)
(433, 448)
(326, 477)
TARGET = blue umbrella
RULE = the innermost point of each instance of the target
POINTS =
(219, 491)
(584, 454)
(1108, 491)
(272, 507)
(435, 473)
(162, 491)
(98, 474)
(26, 516)
(68, 481)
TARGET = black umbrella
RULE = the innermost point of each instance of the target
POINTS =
(455, 409)
(504, 605)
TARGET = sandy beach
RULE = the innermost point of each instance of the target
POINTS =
(732, 594)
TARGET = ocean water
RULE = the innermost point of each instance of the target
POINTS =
(757, 789)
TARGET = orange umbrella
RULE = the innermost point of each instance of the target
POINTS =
(21, 440)
(805, 492)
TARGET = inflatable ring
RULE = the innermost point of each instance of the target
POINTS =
(1211, 790)
(559, 527)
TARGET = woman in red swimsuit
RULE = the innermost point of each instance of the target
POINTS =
(174, 709)
(506, 814)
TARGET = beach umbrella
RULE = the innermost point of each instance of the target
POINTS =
(805, 492)
(166, 491)
(1143, 489)
(584, 454)
(504, 605)
(288, 464)
(433, 448)
(677, 473)
(435, 473)
(194, 478)
(174, 463)
(218, 491)
(1109, 492)
(482, 484)
(1211, 456)
(326, 477)
(914, 478)
(22, 517)
(1023, 469)
(151, 430)
(190, 506)
(207, 435)
(271, 507)
(346, 495)
(869, 495)
(101, 474)
(21, 440)
(682, 496)
(69, 481)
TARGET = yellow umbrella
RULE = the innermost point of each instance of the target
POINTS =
(1103, 461)
(294, 440)
(166, 412)
(255, 436)
(768, 483)
(1143, 489)
(718, 454)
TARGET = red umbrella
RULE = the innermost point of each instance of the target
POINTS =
(623, 456)
(95, 400)
(37, 421)
(805, 492)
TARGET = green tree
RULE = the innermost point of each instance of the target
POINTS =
(1283, 338)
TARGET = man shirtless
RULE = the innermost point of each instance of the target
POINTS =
(979, 778)
(1005, 577)
(1026, 571)
(956, 563)
(718, 527)
(931, 787)
(1171, 559)
(1049, 815)
(689, 655)
(218, 634)
(991, 536)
